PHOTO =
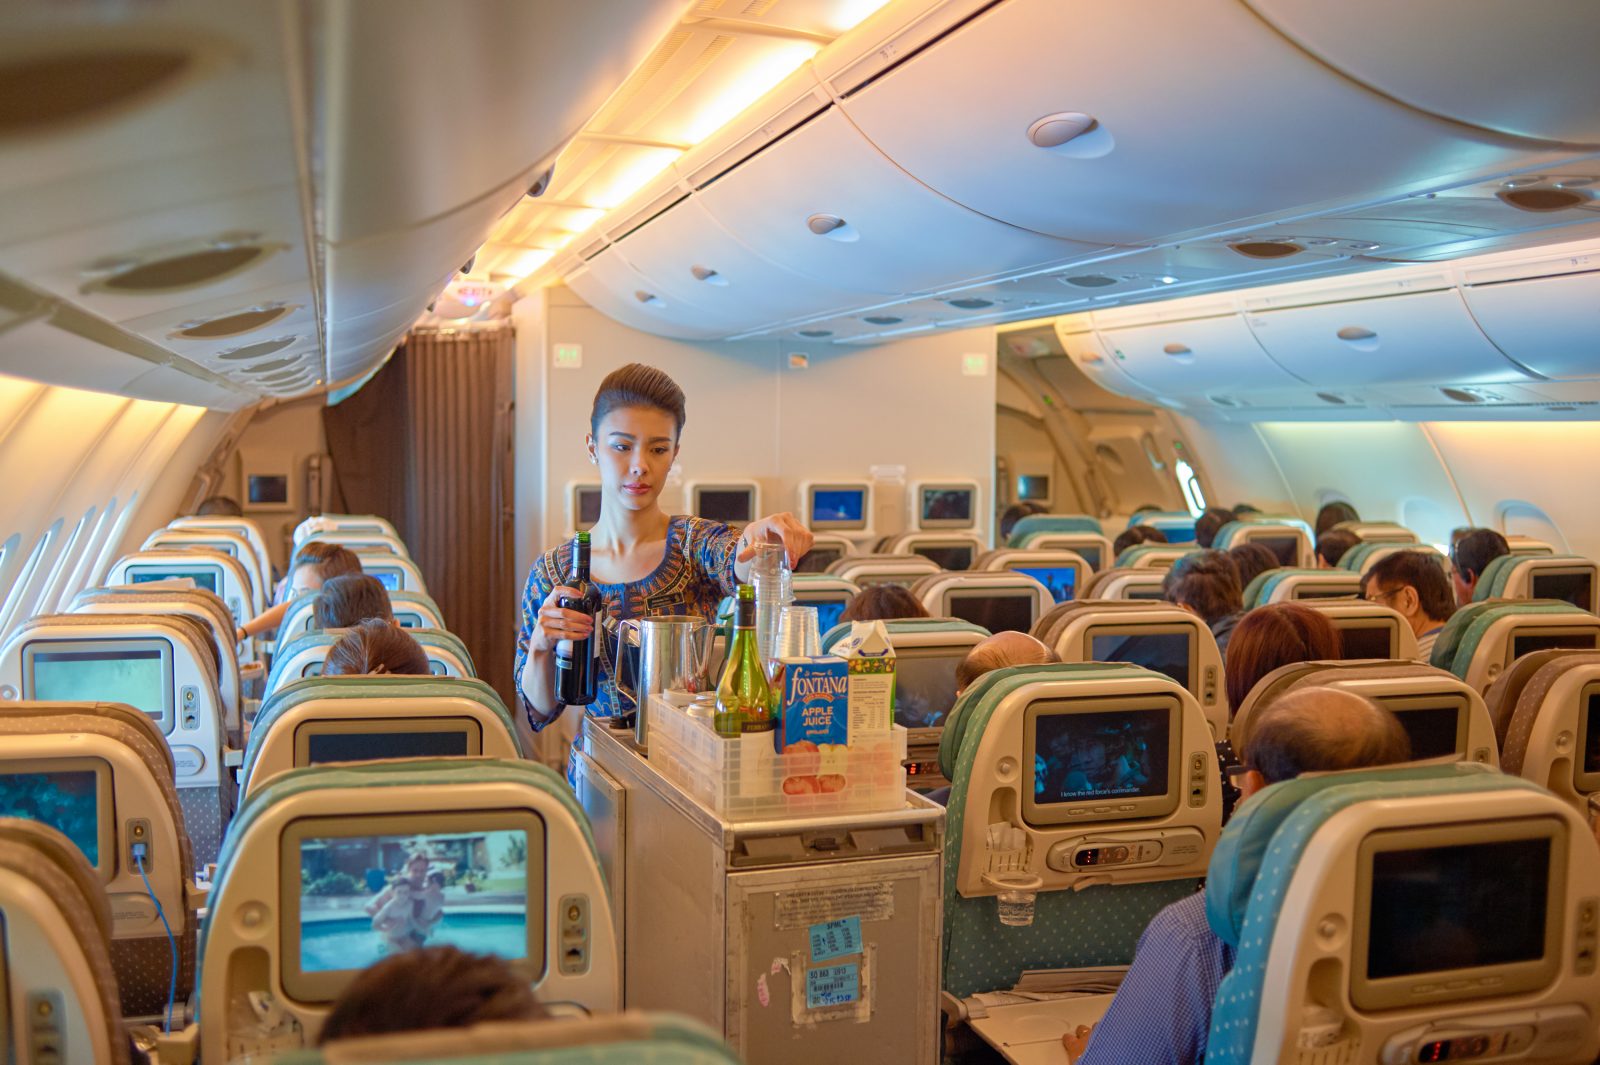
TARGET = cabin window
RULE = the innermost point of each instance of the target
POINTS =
(24, 581)
(1189, 485)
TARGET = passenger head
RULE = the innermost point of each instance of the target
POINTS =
(1252, 560)
(1470, 555)
(1208, 524)
(1319, 730)
(431, 987)
(999, 651)
(1204, 583)
(315, 562)
(1271, 636)
(1332, 545)
(1332, 513)
(1412, 582)
(634, 426)
(375, 647)
(219, 507)
(1015, 513)
(344, 601)
(1246, 510)
(883, 602)
(1136, 534)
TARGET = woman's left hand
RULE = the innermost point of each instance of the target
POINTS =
(784, 528)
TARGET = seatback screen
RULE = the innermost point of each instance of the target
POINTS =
(1033, 486)
(202, 578)
(925, 688)
(727, 505)
(134, 677)
(373, 746)
(1591, 746)
(68, 801)
(818, 559)
(1432, 729)
(1366, 641)
(1287, 548)
(1441, 908)
(1523, 645)
(951, 558)
(363, 898)
(1575, 588)
(1106, 755)
(1163, 652)
(837, 504)
(588, 506)
(1062, 581)
(1089, 554)
(1313, 591)
(997, 611)
(947, 504)
(389, 578)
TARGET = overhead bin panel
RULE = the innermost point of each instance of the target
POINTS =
(1419, 338)
(1551, 323)
(434, 105)
(609, 284)
(1194, 115)
(825, 204)
(692, 260)
(1523, 69)
(1194, 356)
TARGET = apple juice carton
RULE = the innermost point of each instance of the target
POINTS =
(870, 659)
(815, 725)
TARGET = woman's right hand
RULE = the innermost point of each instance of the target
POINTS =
(557, 623)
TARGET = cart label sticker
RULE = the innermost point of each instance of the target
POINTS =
(833, 985)
(809, 906)
(763, 996)
(780, 964)
(835, 939)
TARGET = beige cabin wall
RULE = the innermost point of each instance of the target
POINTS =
(280, 439)
(751, 417)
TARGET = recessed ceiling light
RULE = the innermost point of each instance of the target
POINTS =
(41, 92)
(816, 334)
(1089, 281)
(970, 303)
(882, 319)
(833, 227)
(256, 350)
(234, 323)
(1167, 279)
(1266, 249)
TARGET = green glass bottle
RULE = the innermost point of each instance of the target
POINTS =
(744, 701)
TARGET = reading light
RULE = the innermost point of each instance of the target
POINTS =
(1167, 279)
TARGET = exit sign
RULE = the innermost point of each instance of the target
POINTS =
(568, 356)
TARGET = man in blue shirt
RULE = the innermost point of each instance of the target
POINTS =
(1161, 1014)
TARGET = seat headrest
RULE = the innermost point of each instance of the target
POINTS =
(905, 626)
(1036, 523)
(995, 684)
(1459, 640)
(630, 1036)
(1505, 691)
(1247, 839)
(62, 853)
(1492, 581)
(1524, 710)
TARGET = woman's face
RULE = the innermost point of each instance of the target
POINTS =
(306, 578)
(634, 448)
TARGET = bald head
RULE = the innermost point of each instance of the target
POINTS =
(1322, 730)
(999, 651)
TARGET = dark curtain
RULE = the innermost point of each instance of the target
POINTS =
(427, 444)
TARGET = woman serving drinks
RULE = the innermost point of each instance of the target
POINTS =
(642, 561)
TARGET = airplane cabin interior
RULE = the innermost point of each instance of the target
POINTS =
(999, 532)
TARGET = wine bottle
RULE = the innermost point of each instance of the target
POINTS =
(577, 661)
(744, 707)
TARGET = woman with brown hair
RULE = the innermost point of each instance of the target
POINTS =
(375, 647)
(1275, 635)
(882, 602)
(643, 560)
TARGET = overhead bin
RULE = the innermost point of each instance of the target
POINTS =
(433, 105)
(1194, 115)
(1190, 356)
(690, 260)
(1420, 338)
(1544, 313)
(1522, 69)
(825, 204)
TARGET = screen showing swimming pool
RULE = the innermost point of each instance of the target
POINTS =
(68, 801)
(206, 579)
(389, 578)
(363, 898)
(1113, 754)
(1061, 580)
(837, 504)
(135, 677)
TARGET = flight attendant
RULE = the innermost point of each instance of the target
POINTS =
(643, 561)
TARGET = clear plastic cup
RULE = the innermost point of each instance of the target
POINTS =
(798, 633)
(769, 575)
(1014, 901)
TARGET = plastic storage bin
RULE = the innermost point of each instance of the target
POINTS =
(864, 778)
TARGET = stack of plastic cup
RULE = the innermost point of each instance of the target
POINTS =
(769, 574)
(797, 633)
